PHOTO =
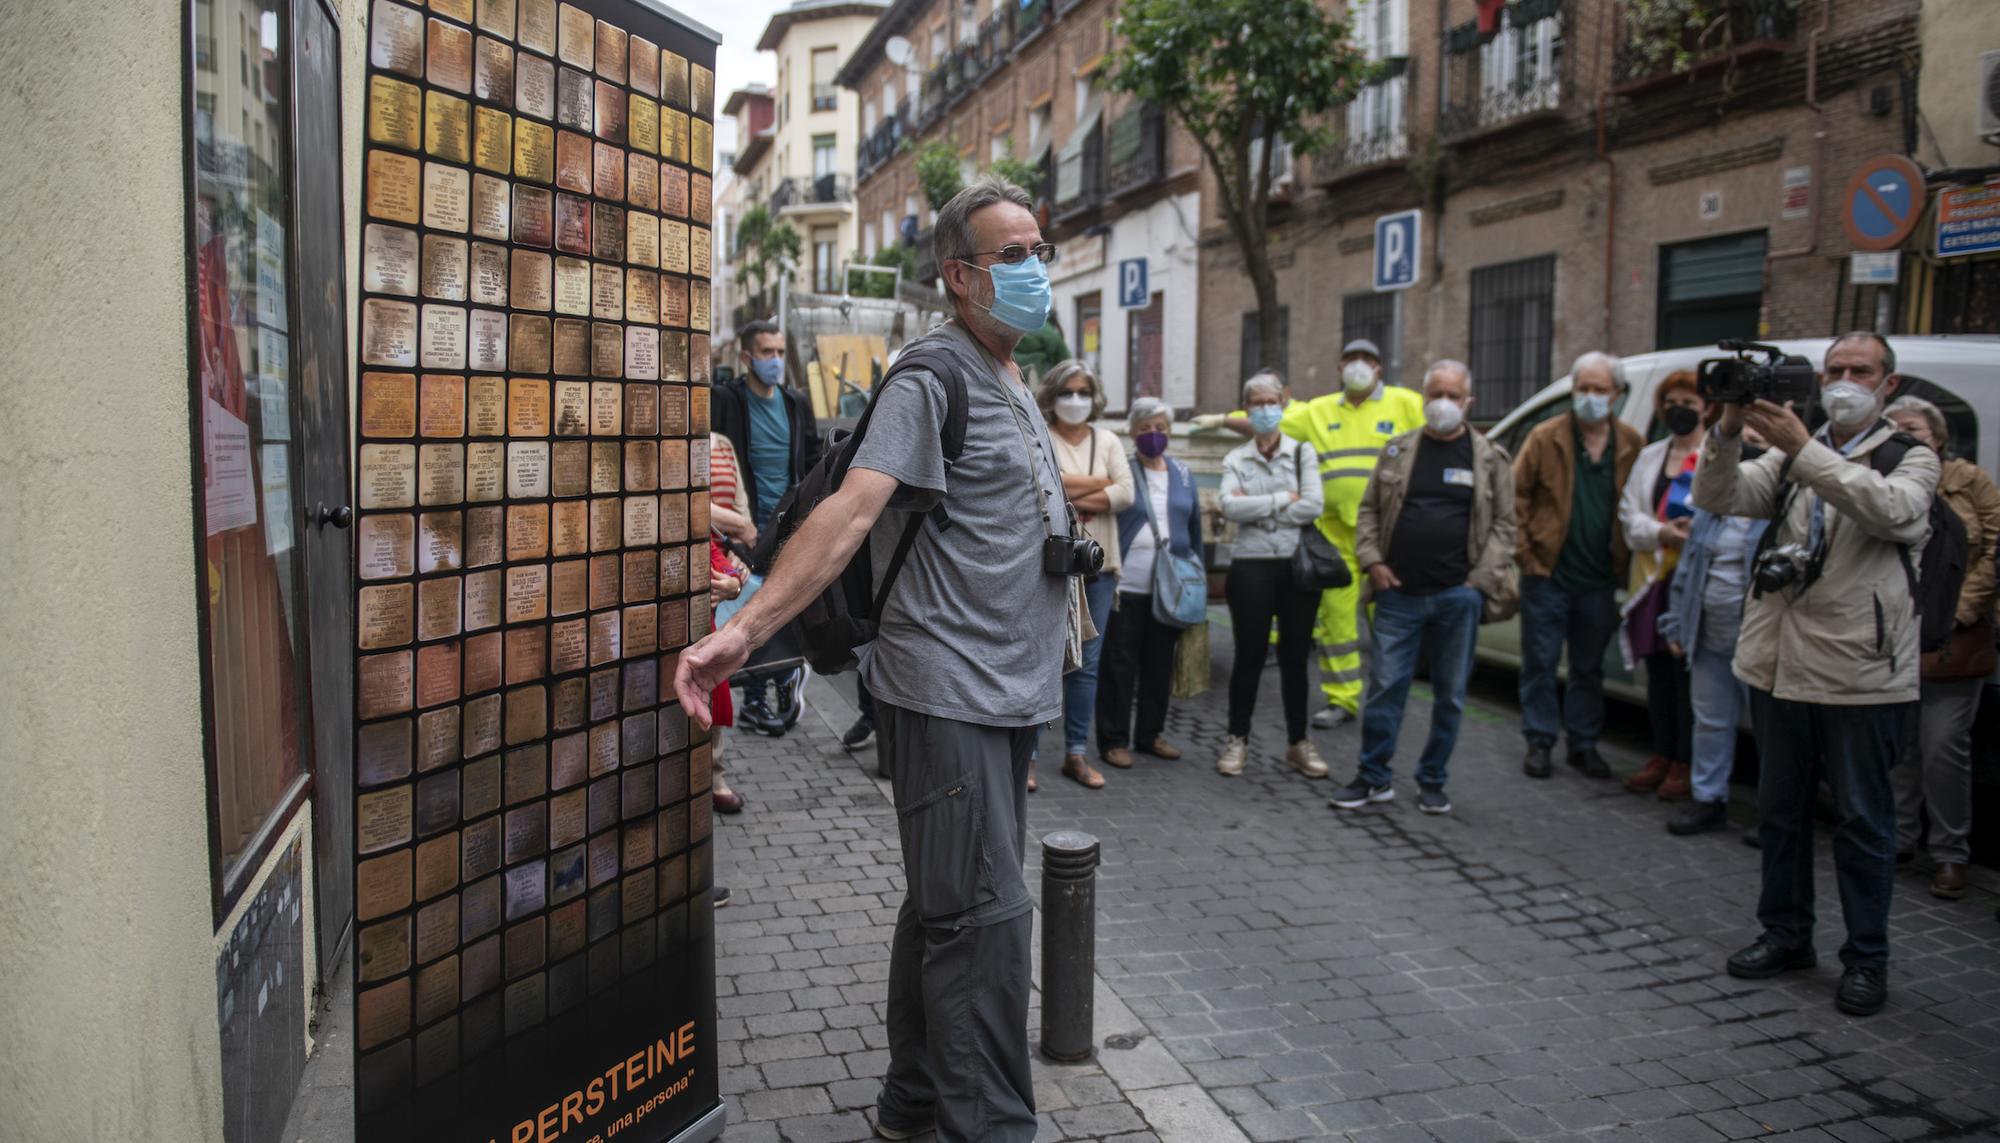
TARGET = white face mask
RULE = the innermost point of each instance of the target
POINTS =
(1849, 404)
(1357, 376)
(1444, 415)
(1073, 409)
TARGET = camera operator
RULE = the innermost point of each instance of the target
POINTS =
(1828, 649)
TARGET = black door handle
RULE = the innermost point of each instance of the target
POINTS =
(339, 517)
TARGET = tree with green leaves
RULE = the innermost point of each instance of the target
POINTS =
(768, 244)
(884, 285)
(1240, 76)
(939, 172)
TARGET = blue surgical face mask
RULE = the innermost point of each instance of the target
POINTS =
(769, 370)
(1021, 293)
(1592, 407)
(1265, 418)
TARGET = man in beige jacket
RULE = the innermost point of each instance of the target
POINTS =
(1830, 654)
(1435, 533)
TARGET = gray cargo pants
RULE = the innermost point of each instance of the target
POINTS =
(959, 967)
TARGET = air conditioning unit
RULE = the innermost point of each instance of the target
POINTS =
(1989, 96)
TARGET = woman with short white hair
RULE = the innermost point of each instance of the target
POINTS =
(1270, 489)
(1138, 663)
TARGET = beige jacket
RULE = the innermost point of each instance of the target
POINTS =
(1489, 541)
(1850, 638)
(1100, 454)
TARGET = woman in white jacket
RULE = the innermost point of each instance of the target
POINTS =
(1656, 514)
(1270, 488)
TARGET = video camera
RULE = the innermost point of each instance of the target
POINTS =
(1739, 380)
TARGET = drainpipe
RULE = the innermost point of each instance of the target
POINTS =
(1610, 173)
(1819, 167)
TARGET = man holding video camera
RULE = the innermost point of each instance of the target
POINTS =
(1829, 639)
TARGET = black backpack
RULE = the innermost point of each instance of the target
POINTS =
(1935, 577)
(843, 617)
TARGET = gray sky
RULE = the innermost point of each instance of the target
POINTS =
(738, 62)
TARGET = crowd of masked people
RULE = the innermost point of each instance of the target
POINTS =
(987, 554)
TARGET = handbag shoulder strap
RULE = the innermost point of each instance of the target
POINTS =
(1146, 497)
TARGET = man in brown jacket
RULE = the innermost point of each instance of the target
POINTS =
(1572, 557)
(1435, 534)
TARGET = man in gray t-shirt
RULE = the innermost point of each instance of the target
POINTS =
(965, 668)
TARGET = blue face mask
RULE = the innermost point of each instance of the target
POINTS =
(1021, 294)
(1265, 418)
(769, 370)
(1592, 407)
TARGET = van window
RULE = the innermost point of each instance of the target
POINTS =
(1958, 416)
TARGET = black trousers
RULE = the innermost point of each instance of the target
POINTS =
(1670, 706)
(1138, 661)
(1258, 592)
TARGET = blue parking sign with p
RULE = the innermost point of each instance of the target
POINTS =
(1132, 293)
(1397, 238)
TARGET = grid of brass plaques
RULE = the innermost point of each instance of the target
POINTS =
(532, 807)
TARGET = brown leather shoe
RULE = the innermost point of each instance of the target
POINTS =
(1949, 881)
(1119, 757)
(1161, 748)
(1649, 779)
(1678, 785)
(727, 801)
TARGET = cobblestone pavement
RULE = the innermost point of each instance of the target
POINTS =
(1543, 963)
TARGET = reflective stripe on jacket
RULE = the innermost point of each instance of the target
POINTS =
(1348, 439)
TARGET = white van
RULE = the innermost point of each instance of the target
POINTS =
(1960, 375)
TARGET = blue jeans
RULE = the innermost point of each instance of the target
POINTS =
(1451, 619)
(1851, 748)
(1552, 617)
(1718, 703)
(1080, 685)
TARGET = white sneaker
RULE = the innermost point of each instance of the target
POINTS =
(1305, 759)
(1233, 756)
(1331, 716)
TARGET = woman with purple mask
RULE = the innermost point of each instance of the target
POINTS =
(1138, 658)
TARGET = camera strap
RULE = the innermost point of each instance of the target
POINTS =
(1815, 535)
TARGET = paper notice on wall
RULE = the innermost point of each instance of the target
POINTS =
(1797, 200)
(274, 469)
(229, 489)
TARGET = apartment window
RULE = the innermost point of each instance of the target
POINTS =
(1518, 70)
(891, 233)
(868, 119)
(937, 43)
(968, 21)
(1513, 330)
(825, 65)
(1038, 125)
(1373, 316)
(1252, 356)
(824, 163)
(1382, 29)
(888, 97)
(1001, 147)
(868, 239)
(823, 255)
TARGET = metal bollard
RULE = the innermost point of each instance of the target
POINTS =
(1069, 945)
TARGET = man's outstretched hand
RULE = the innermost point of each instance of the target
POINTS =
(707, 665)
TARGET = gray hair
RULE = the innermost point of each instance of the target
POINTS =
(1932, 415)
(952, 238)
(1888, 354)
(1451, 365)
(1263, 381)
(1061, 374)
(1598, 359)
(1145, 409)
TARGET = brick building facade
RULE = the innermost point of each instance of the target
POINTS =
(1578, 192)
(1116, 185)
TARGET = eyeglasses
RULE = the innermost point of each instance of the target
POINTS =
(1013, 254)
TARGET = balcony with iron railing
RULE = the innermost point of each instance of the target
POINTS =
(806, 194)
(1665, 39)
(1032, 19)
(996, 35)
(1136, 155)
(878, 146)
(1512, 74)
(1374, 128)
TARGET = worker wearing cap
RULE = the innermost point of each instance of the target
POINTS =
(1348, 429)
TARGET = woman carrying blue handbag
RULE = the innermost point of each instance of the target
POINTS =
(1162, 590)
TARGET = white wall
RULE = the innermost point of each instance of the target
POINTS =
(1164, 235)
(107, 969)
